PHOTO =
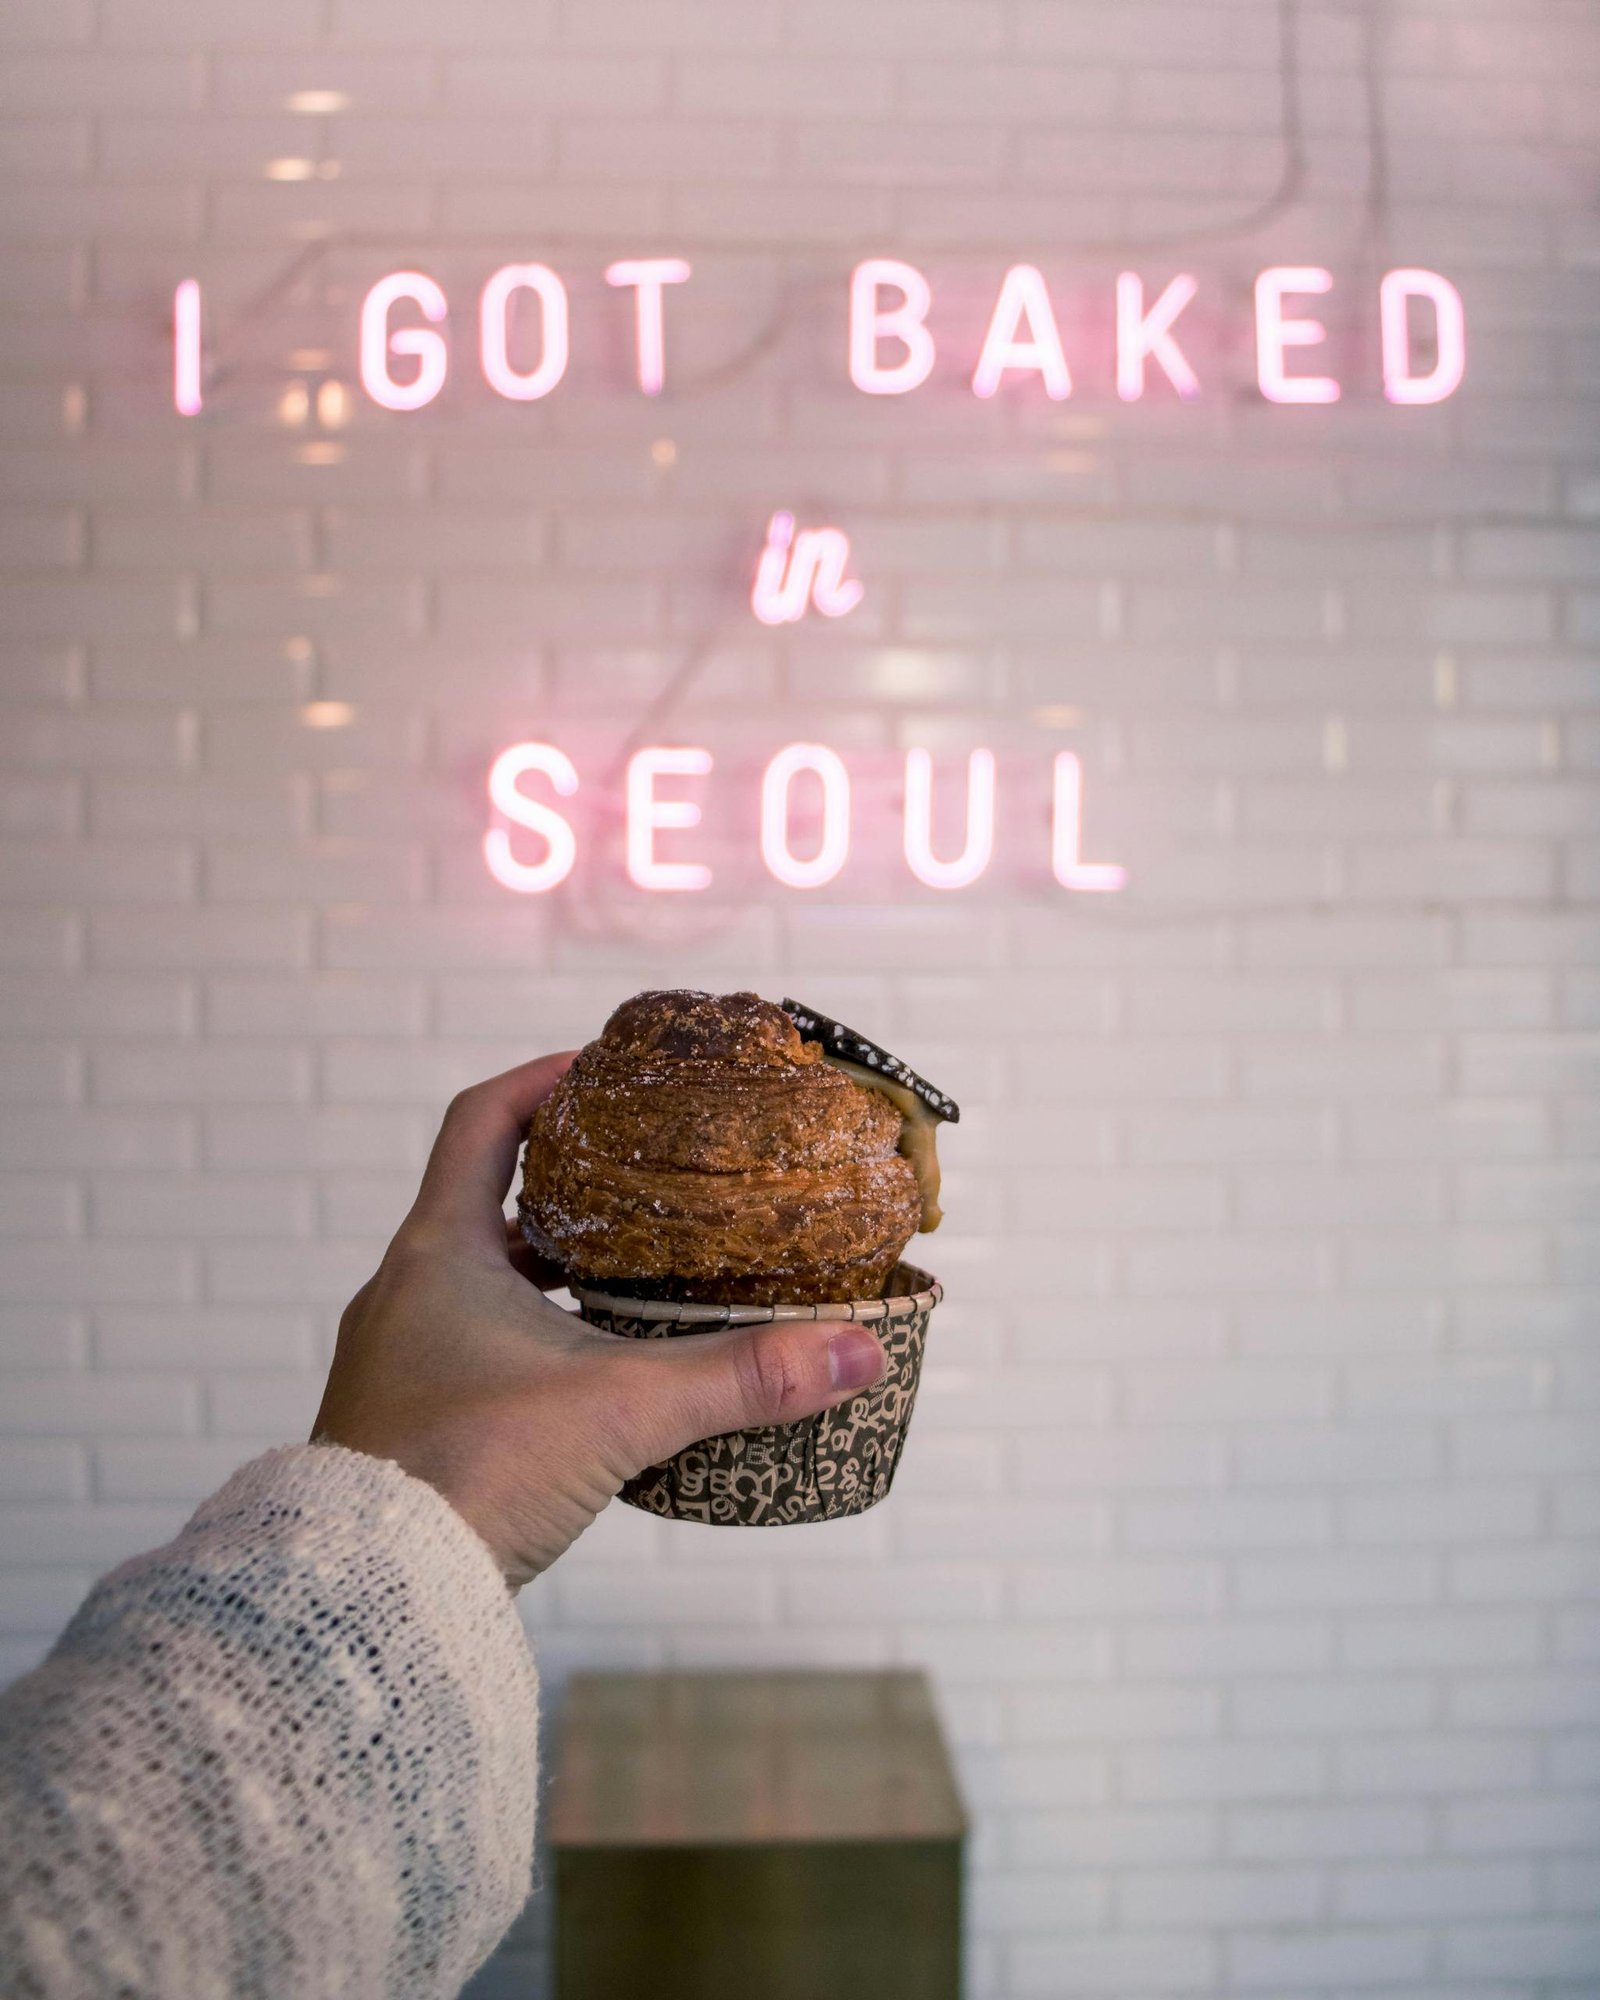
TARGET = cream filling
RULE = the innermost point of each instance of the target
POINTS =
(918, 1129)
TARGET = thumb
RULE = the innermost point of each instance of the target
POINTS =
(744, 1378)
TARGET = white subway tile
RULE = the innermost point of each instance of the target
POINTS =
(1451, 1639)
(1209, 1394)
(1513, 1445)
(1335, 1455)
(202, 1206)
(176, 1469)
(932, 1525)
(39, 1073)
(1225, 1266)
(318, 871)
(1466, 1128)
(1091, 1460)
(1360, 1959)
(646, 1594)
(98, 1405)
(1333, 1832)
(1481, 1512)
(264, 1406)
(1224, 1521)
(1117, 1587)
(1115, 1714)
(1221, 1771)
(1218, 1898)
(1034, 1900)
(909, 1589)
(133, 939)
(1391, 1067)
(1554, 1571)
(35, 1205)
(42, 1470)
(309, 1274)
(1182, 1962)
(1435, 1765)
(1444, 1388)
(1205, 1134)
(40, 1600)
(1337, 1327)
(105, 738)
(1108, 1836)
(1329, 1707)
(1001, 1652)
(1335, 1579)
(204, 1337)
(275, 1138)
(1520, 1825)
(1225, 1647)
(1541, 1948)
(1539, 1701)
(1448, 1892)
(199, 1073)
(315, 1003)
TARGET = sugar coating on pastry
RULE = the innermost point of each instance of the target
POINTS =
(700, 1148)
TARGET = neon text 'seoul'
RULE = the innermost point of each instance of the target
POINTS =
(546, 848)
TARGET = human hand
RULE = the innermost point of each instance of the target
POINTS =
(453, 1364)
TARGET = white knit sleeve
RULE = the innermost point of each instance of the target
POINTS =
(291, 1753)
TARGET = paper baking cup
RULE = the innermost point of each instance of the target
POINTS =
(839, 1462)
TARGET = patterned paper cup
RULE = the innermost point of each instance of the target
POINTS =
(819, 1469)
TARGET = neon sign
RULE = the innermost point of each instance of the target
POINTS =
(795, 570)
(532, 846)
(647, 814)
(891, 348)
(648, 275)
(833, 846)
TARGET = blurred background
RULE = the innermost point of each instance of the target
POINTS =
(1248, 1525)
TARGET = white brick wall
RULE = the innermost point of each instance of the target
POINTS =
(1249, 1526)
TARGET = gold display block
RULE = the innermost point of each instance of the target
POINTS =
(786, 1836)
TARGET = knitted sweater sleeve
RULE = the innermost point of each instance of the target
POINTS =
(291, 1753)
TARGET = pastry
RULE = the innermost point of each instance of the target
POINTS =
(706, 1147)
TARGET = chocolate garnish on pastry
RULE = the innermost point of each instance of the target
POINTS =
(923, 1107)
(846, 1045)
(702, 1148)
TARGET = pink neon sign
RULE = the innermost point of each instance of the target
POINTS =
(378, 343)
(530, 878)
(892, 346)
(833, 846)
(1276, 333)
(871, 323)
(1066, 834)
(186, 367)
(796, 570)
(1023, 302)
(648, 275)
(648, 815)
(494, 315)
(536, 850)
(978, 847)
(1146, 335)
(1395, 293)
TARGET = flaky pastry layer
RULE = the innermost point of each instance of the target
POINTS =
(700, 1149)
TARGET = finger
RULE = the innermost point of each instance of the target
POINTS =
(748, 1377)
(540, 1271)
(464, 1183)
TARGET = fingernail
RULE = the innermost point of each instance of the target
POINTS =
(854, 1359)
